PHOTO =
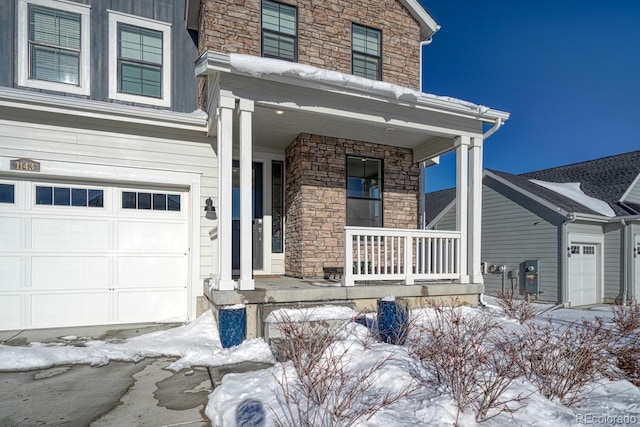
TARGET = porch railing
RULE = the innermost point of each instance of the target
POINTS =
(400, 254)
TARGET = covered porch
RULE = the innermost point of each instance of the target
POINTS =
(316, 120)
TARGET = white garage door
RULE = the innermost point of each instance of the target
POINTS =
(583, 274)
(80, 254)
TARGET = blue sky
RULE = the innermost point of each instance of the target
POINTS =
(568, 71)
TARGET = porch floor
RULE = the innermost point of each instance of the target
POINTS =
(290, 290)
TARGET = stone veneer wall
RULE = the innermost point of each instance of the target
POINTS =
(324, 33)
(315, 203)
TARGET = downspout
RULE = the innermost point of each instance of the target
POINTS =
(625, 264)
(497, 125)
(563, 255)
(423, 44)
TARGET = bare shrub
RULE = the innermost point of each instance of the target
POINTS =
(323, 389)
(472, 358)
(516, 308)
(565, 363)
(629, 361)
(626, 318)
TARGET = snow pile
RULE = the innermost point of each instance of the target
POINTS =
(196, 344)
(263, 67)
(573, 191)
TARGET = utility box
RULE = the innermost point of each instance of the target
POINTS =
(531, 276)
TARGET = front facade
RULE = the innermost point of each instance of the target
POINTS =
(583, 244)
(295, 147)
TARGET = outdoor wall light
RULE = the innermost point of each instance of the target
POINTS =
(279, 112)
(209, 209)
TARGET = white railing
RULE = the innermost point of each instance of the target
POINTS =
(400, 254)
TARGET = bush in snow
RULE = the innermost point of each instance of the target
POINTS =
(566, 363)
(627, 320)
(321, 384)
(471, 356)
(516, 308)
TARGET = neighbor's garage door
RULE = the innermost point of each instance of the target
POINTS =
(583, 274)
(80, 254)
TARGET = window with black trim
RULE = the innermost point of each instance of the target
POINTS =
(67, 196)
(279, 31)
(150, 201)
(7, 193)
(364, 191)
(277, 206)
(366, 55)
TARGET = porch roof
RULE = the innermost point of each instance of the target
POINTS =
(340, 105)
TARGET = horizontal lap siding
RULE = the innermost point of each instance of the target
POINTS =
(512, 234)
(185, 152)
(613, 261)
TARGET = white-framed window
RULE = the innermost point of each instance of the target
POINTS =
(53, 46)
(139, 60)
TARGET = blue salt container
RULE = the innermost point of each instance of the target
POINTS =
(232, 322)
(393, 320)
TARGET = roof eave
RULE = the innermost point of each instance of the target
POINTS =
(428, 26)
(214, 62)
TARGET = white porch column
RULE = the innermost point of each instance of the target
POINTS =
(475, 210)
(462, 186)
(225, 182)
(245, 110)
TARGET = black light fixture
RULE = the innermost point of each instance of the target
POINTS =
(210, 210)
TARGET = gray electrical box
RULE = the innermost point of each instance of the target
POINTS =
(531, 276)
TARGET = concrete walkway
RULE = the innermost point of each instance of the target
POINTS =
(117, 394)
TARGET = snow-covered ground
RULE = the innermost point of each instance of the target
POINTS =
(258, 396)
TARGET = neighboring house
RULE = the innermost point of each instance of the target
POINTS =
(308, 159)
(581, 222)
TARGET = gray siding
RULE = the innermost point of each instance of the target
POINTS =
(634, 194)
(184, 50)
(515, 229)
(613, 261)
(448, 221)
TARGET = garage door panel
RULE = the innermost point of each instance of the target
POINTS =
(10, 268)
(152, 271)
(11, 233)
(70, 235)
(140, 306)
(151, 236)
(583, 268)
(54, 272)
(51, 310)
(11, 313)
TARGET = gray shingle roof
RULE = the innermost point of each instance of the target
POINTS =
(605, 179)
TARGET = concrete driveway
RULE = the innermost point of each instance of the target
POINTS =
(117, 394)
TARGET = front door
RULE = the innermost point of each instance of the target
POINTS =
(257, 216)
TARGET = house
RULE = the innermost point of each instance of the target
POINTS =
(569, 234)
(305, 158)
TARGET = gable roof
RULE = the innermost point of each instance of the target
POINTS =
(436, 202)
(606, 179)
(428, 26)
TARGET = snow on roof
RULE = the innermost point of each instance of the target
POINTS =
(260, 67)
(573, 191)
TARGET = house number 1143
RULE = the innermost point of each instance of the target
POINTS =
(27, 165)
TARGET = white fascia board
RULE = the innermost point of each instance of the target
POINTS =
(80, 107)
(528, 194)
(631, 187)
(428, 25)
(211, 62)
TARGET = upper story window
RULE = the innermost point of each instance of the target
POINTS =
(364, 191)
(53, 46)
(139, 60)
(279, 31)
(366, 55)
